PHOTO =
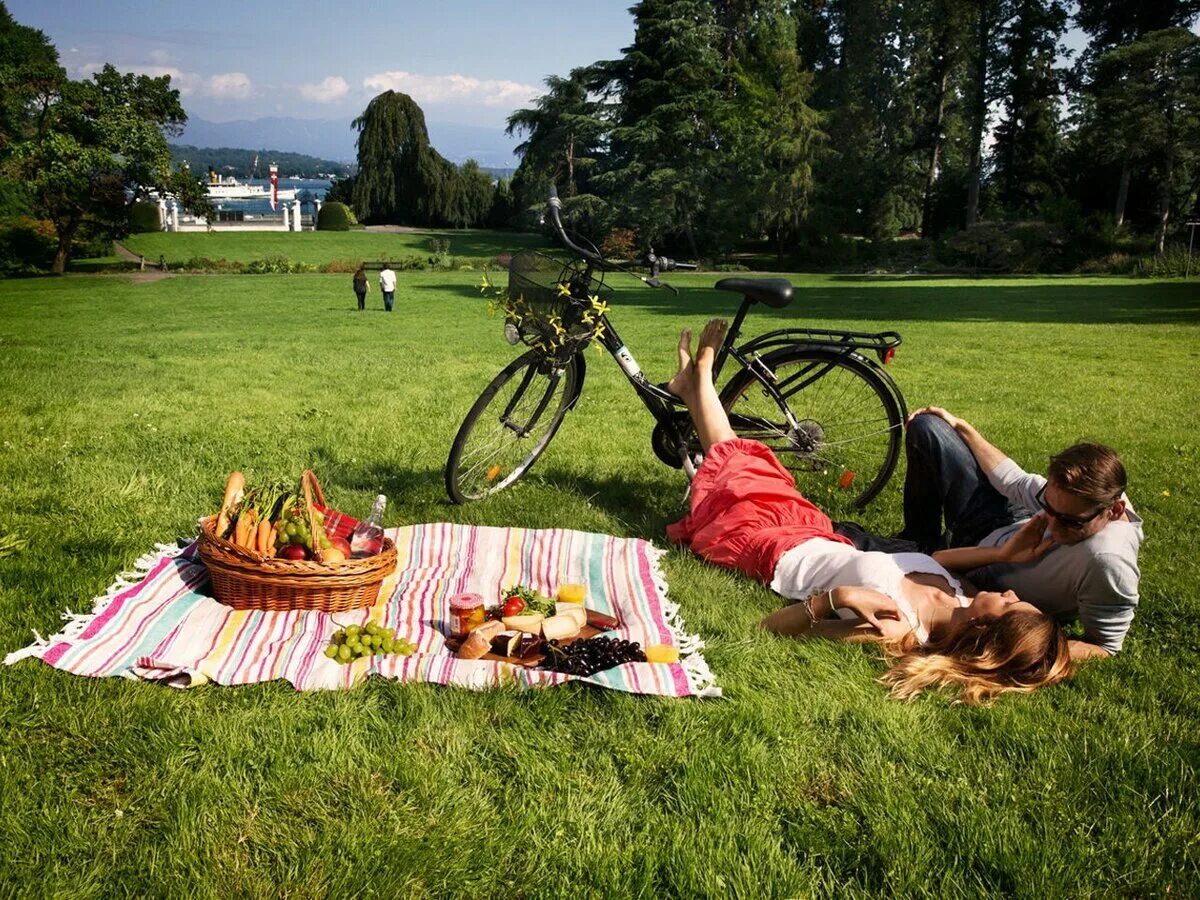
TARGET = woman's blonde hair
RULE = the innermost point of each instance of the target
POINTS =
(992, 655)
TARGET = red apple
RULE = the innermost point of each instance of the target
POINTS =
(341, 544)
(293, 552)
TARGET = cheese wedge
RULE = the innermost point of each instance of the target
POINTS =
(559, 628)
(531, 624)
(574, 610)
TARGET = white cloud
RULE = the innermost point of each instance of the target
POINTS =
(159, 56)
(229, 86)
(222, 86)
(327, 90)
(454, 89)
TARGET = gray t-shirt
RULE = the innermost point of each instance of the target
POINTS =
(1096, 579)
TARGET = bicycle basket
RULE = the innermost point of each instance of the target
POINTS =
(554, 307)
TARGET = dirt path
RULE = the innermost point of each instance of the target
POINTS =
(148, 277)
(394, 229)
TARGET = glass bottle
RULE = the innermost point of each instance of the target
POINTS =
(367, 537)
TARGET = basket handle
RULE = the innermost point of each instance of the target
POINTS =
(310, 486)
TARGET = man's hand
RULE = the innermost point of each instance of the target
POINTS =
(949, 418)
(1029, 544)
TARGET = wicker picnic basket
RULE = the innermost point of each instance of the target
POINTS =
(244, 579)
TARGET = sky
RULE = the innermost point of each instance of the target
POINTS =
(465, 61)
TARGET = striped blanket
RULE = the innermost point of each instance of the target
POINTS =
(161, 624)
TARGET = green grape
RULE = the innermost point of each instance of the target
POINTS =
(389, 633)
(343, 653)
(353, 631)
(331, 651)
(372, 627)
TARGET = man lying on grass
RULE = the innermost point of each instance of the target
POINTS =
(747, 514)
(1090, 569)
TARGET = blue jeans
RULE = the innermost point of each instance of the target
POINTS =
(944, 482)
(388, 298)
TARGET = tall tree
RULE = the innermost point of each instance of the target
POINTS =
(767, 132)
(669, 84)
(1151, 90)
(987, 19)
(562, 132)
(940, 28)
(1112, 23)
(102, 142)
(30, 78)
(1028, 138)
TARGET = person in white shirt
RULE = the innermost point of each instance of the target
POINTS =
(1090, 568)
(387, 285)
(746, 514)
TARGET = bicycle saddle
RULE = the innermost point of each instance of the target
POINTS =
(776, 292)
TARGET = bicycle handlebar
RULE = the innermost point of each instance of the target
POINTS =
(554, 206)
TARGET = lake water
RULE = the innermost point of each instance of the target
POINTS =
(307, 188)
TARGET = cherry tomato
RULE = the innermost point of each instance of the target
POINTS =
(514, 607)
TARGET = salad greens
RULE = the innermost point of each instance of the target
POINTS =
(534, 602)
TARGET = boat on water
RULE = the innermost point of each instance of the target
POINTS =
(229, 188)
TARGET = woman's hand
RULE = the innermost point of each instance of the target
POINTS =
(1029, 544)
(868, 605)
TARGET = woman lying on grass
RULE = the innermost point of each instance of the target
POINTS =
(746, 514)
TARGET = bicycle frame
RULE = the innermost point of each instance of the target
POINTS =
(664, 406)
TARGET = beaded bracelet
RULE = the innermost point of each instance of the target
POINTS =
(812, 617)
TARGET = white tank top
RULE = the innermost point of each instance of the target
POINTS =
(818, 565)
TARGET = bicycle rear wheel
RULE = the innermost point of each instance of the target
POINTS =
(510, 426)
(839, 429)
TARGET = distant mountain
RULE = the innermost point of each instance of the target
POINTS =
(334, 139)
(241, 163)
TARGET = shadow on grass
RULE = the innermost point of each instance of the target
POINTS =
(1148, 303)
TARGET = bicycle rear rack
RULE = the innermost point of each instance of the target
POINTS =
(883, 343)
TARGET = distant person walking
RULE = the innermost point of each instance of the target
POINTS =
(387, 286)
(361, 286)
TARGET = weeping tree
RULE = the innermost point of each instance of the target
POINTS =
(402, 179)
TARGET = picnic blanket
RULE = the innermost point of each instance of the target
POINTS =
(160, 623)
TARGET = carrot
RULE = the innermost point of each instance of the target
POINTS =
(234, 489)
(272, 537)
(245, 524)
(264, 533)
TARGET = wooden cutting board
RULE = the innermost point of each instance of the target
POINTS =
(598, 623)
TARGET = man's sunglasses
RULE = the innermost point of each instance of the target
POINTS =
(1073, 522)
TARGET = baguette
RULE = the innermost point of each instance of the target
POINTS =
(234, 490)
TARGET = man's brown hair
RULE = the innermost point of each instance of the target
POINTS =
(1091, 471)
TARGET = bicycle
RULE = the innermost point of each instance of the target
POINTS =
(828, 410)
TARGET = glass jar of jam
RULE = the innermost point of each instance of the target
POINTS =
(466, 612)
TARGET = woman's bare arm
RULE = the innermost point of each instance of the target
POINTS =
(794, 621)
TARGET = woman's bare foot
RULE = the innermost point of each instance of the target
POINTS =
(687, 380)
(710, 342)
(683, 382)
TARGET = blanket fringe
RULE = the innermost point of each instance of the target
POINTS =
(699, 676)
(77, 623)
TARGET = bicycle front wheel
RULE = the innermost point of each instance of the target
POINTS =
(510, 426)
(838, 429)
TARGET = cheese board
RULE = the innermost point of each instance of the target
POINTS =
(527, 648)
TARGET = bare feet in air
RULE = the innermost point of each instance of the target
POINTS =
(681, 383)
(687, 379)
(710, 342)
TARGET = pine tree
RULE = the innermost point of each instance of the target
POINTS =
(1028, 138)
(669, 86)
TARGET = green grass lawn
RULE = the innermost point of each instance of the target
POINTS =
(127, 404)
(318, 247)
